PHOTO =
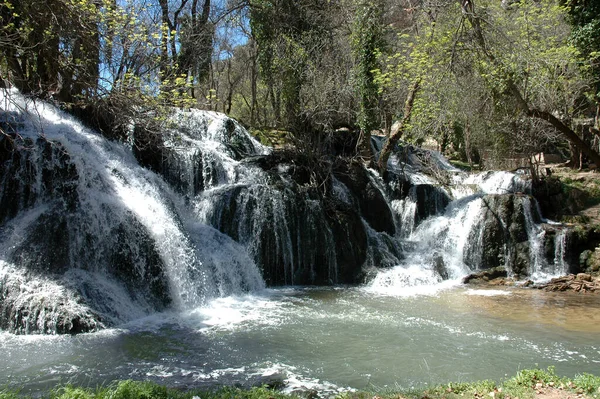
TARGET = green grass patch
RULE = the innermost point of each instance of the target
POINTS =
(148, 390)
(523, 385)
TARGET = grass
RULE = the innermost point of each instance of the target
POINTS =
(523, 386)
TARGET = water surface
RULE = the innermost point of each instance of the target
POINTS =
(327, 339)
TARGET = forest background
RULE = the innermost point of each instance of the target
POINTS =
(484, 81)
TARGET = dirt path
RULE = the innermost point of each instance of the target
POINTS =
(557, 393)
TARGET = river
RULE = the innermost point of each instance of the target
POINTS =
(324, 339)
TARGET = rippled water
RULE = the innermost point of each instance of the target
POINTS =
(327, 339)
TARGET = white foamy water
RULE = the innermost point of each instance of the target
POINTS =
(438, 247)
(328, 340)
(500, 182)
(200, 262)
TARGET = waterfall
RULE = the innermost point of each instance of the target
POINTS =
(490, 223)
(117, 223)
(538, 265)
(560, 266)
(110, 232)
(435, 250)
(500, 182)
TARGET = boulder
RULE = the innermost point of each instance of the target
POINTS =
(31, 304)
(583, 249)
(500, 237)
(485, 276)
(440, 267)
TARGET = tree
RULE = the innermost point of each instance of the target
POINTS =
(486, 69)
(367, 43)
(52, 48)
(584, 17)
(557, 66)
(395, 135)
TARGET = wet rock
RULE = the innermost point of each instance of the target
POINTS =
(372, 204)
(351, 242)
(293, 234)
(33, 171)
(500, 238)
(430, 200)
(36, 305)
(485, 275)
(398, 185)
(440, 267)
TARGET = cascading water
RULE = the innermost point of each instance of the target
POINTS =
(560, 266)
(95, 234)
(208, 203)
(488, 223)
(121, 231)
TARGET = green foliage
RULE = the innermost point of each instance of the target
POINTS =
(522, 385)
(8, 394)
(71, 392)
(139, 390)
(129, 389)
(529, 378)
(583, 191)
(288, 34)
(584, 17)
(367, 42)
(463, 388)
(466, 82)
(588, 384)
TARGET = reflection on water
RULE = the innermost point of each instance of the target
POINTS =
(325, 339)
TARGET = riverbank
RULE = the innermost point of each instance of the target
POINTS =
(580, 282)
(534, 383)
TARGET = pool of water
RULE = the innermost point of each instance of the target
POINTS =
(325, 339)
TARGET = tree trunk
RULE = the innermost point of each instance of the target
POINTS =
(164, 45)
(395, 135)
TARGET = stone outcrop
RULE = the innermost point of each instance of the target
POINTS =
(371, 202)
(34, 305)
(501, 234)
(485, 276)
